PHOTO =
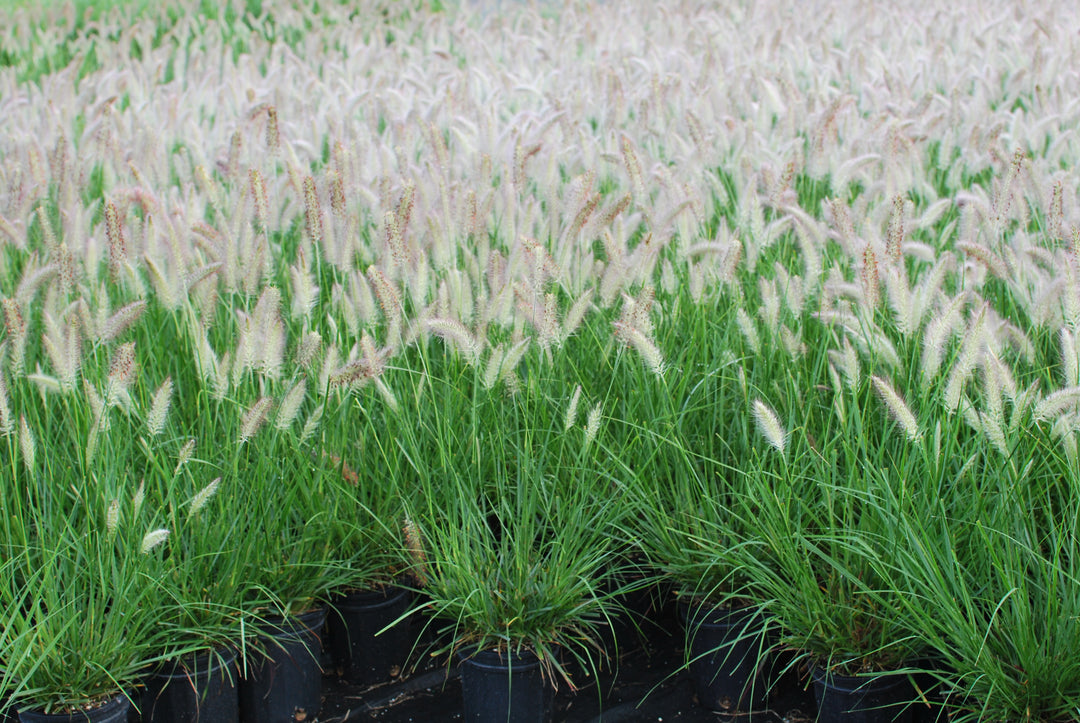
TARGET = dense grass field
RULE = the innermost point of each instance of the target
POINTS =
(776, 300)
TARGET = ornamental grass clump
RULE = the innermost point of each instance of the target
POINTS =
(257, 458)
(88, 621)
(682, 437)
(87, 591)
(514, 526)
(994, 590)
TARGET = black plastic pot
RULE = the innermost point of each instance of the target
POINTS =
(352, 623)
(114, 711)
(726, 656)
(284, 680)
(194, 689)
(627, 628)
(859, 699)
(500, 687)
(931, 695)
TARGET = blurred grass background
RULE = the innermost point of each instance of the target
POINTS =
(80, 7)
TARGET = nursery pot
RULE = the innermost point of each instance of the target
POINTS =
(194, 689)
(930, 694)
(114, 710)
(500, 687)
(624, 629)
(726, 645)
(858, 699)
(359, 652)
(284, 681)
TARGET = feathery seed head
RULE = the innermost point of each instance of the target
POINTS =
(269, 328)
(1065, 431)
(415, 546)
(273, 133)
(115, 234)
(936, 337)
(7, 420)
(99, 409)
(257, 184)
(1004, 197)
(338, 202)
(254, 418)
(633, 166)
(359, 371)
(644, 346)
(1058, 403)
(405, 207)
(14, 322)
(576, 314)
(112, 518)
(730, 264)
(970, 415)
(159, 408)
(27, 445)
(388, 395)
(493, 368)
(395, 239)
(548, 327)
(152, 539)
(993, 263)
(311, 424)
(895, 240)
(184, 455)
(232, 162)
(308, 350)
(63, 343)
(792, 342)
(312, 211)
(290, 405)
(202, 497)
(851, 364)
(1070, 357)
(305, 292)
(842, 218)
(387, 295)
(749, 330)
(906, 311)
(970, 353)
(898, 408)
(139, 498)
(455, 332)
(769, 425)
(571, 410)
(994, 432)
(992, 368)
(770, 305)
(592, 423)
(871, 279)
(46, 229)
(1056, 216)
(503, 361)
(123, 371)
(122, 319)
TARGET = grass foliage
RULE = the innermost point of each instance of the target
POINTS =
(510, 302)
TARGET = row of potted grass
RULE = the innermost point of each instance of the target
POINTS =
(879, 537)
(803, 485)
(876, 538)
(731, 379)
(849, 403)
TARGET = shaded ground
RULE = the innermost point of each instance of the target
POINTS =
(647, 686)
